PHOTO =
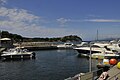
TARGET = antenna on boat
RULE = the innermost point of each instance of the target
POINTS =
(97, 34)
(0, 37)
(0, 34)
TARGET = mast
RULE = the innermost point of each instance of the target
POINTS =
(0, 34)
(90, 60)
(97, 35)
(0, 37)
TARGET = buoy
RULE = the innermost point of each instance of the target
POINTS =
(106, 61)
(113, 62)
(118, 65)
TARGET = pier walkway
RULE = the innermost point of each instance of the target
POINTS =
(114, 73)
(87, 76)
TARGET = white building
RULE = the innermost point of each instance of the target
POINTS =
(6, 43)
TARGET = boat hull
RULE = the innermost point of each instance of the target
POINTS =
(86, 51)
(18, 56)
(102, 56)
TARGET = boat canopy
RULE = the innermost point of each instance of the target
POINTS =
(100, 44)
(5, 39)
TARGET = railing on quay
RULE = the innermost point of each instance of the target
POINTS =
(87, 76)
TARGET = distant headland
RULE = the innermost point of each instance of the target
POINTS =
(19, 38)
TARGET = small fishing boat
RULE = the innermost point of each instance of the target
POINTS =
(17, 53)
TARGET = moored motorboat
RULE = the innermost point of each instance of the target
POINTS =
(67, 45)
(95, 48)
(17, 53)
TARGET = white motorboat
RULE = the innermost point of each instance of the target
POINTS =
(82, 44)
(65, 45)
(17, 53)
(95, 48)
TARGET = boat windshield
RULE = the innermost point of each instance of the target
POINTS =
(119, 45)
(68, 44)
(115, 51)
(108, 53)
(107, 48)
(95, 46)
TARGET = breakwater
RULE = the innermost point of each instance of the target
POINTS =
(38, 45)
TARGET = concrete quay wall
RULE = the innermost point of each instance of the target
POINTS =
(37, 45)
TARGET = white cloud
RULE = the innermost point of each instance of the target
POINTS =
(102, 20)
(17, 15)
(20, 21)
(2, 2)
(63, 20)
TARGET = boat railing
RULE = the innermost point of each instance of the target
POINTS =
(87, 76)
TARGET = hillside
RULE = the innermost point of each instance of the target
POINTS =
(19, 38)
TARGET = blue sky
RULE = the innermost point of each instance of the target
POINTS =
(57, 18)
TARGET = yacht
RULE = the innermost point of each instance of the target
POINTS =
(95, 48)
(17, 53)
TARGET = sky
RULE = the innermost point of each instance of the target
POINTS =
(58, 18)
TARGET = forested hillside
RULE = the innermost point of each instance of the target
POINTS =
(19, 38)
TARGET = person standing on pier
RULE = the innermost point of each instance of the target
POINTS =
(103, 76)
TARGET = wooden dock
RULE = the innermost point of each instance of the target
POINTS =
(87, 76)
(114, 73)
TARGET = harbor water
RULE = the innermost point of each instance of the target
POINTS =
(48, 65)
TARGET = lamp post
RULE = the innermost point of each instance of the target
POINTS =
(90, 60)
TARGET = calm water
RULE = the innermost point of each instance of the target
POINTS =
(48, 65)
